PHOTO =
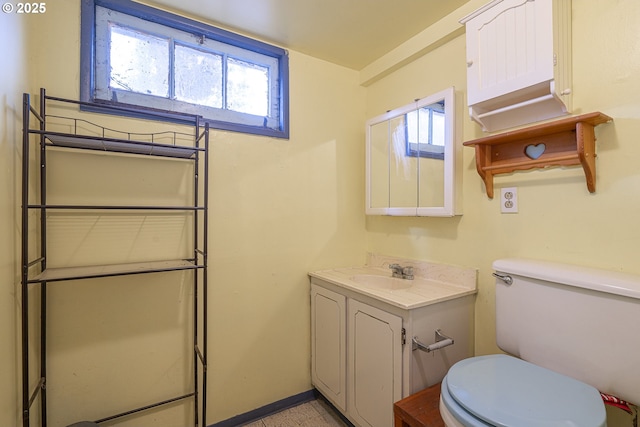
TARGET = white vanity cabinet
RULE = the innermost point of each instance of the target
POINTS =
(518, 62)
(328, 349)
(361, 352)
(374, 363)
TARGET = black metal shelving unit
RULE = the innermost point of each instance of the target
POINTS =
(39, 131)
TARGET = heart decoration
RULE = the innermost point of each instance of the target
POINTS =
(534, 151)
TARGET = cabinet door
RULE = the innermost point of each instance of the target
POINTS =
(375, 364)
(509, 47)
(328, 344)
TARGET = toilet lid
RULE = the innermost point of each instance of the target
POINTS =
(507, 391)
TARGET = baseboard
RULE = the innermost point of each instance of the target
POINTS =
(269, 409)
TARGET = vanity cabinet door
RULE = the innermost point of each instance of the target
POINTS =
(375, 364)
(328, 344)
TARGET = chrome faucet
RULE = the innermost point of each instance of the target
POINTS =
(401, 272)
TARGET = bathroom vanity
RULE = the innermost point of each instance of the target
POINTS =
(363, 322)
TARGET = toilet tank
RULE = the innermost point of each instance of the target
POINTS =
(578, 321)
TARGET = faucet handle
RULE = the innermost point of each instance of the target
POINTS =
(396, 270)
(407, 272)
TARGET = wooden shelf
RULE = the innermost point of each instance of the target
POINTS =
(566, 142)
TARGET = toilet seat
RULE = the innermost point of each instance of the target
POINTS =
(500, 390)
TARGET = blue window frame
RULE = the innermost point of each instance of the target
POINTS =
(136, 55)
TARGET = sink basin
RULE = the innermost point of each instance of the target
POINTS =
(439, 283)
(374, 281)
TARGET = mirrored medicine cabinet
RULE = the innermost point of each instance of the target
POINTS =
(411, 158)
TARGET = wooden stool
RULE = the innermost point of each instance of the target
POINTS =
(419, 409)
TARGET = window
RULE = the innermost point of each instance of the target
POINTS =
(135, 55)
(426, 131)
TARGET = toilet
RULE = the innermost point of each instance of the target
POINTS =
(570, 333)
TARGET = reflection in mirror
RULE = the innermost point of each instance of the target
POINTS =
(379, 161)
(410, 159)
(425, 131)
(403, 181)
(431, 155)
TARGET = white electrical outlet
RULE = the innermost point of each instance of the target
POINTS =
(509, 200)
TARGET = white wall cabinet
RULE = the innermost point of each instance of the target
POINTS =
(518, 62)
(413, 162)
(362, 359)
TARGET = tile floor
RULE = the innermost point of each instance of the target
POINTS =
(315, 413)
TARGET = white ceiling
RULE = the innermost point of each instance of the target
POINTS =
(352, 33)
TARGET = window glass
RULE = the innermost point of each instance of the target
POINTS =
(139, 62)
(135, 55)
(247, 87)
(198, 77)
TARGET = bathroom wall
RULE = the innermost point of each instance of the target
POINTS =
(282, 208)
(13, 36)
(279, 208)
(558, 218)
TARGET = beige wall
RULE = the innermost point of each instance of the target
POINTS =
(282, 208)
(12, 80)
(279, 208)
(559, 219)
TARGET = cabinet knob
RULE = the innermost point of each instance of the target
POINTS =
(469, 63)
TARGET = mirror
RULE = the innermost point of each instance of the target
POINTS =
(411, 159)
